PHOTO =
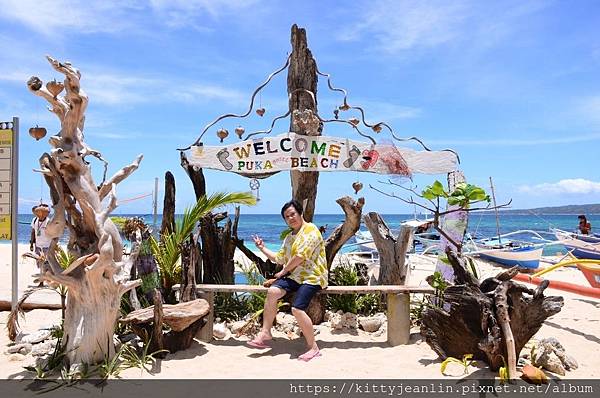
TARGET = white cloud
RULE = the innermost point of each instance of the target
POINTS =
(575, 186)
(403, 25)
(57, 16)
(177, 13)
(120, 88)
(589, 108)
(395, 26)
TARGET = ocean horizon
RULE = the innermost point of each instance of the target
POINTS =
(270, 226)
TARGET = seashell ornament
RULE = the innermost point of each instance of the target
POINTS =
(37, 132)
(377, 128)
(357, 186)
(239, 130)
(260, 111)
(222, 134)
(55, 87)
(344, 107)
(354, 121)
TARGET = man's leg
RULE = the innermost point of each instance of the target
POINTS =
(303, 296)
(273, 295)
(306, 326)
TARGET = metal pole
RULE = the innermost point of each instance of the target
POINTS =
(496, 211)
(155, 201)
(14, 204)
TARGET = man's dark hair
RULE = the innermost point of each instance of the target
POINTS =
(292, 203)
(581, 217)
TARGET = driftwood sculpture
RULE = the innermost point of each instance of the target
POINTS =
(394, 269)
(98, 277)
(491, 320)
(183, 321)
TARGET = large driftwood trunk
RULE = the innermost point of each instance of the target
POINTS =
(215, 265)
(302, 75)
(98, 277)
(218, 248)
(168, 220)
(393, 269)
(479, 315)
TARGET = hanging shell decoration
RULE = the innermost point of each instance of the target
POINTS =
(357, 186)
(37, 132)
(222, 134)
(55, 87)
(377, 128)
(354, 121)
(260, 111)
(239, 130)
(344, 107)
(336, 114)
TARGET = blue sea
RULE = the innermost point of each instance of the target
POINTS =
(269, 226)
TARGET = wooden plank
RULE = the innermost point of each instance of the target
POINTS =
(388, 289)
(6, 305)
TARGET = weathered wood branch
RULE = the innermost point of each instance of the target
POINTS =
(302, 75)
(168, 219)
(119, 176)
(346, 230)
(503, 318)
(392, 252)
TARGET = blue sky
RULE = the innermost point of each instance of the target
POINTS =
(512, 86)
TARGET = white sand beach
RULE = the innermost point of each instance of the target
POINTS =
(347, 354)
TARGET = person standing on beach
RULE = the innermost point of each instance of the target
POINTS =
(39, 240)
(585, 228)
(302, 255)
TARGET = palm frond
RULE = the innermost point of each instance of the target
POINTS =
(12, 323)
(206, 204)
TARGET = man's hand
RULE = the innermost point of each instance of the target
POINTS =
(280, 274)
(258, 242)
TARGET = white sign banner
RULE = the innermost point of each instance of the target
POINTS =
(319, 153)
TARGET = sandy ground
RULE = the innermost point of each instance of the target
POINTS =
(345, 354)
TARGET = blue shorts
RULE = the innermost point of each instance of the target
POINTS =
(304, 291)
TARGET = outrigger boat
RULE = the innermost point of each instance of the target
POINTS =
(428, 240)
(589, 268)
(508, 252)
(580, 246)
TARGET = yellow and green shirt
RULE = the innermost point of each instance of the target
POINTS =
(308, 244)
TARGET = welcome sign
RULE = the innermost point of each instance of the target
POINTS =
(319, 153)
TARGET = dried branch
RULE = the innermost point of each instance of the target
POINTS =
(119, 176)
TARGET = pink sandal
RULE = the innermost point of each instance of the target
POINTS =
(307, 356)
(258, 342)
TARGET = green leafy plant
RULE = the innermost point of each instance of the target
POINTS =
(343, 275)
(134, 358)
(38, 369)
(464, 195)
(111, 367)
(466, 362)
(167, 252)
(285, 233)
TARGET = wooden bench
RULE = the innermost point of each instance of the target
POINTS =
(398, 304)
